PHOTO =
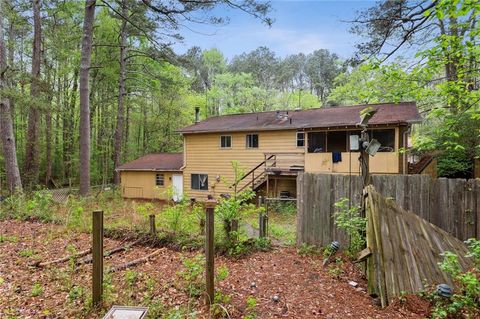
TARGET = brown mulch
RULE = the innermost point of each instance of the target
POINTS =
(305, 289)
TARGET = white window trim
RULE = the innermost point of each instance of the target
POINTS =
(304, 139)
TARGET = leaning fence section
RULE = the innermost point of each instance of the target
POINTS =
(451, 204)
(405, 250)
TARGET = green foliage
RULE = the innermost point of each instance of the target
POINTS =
(192, 275)
(27, 253)
(348, 218)
(131, 278)
(282, 207)
(8, 239)
(34, 206)
(466, 297)
(250, 309)
(37, 290)
(308, 250)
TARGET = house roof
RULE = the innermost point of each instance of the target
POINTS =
(389, 113)
(155, 162)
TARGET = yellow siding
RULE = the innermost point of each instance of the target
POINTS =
(141, 184)
(381, 163)
(204, 156)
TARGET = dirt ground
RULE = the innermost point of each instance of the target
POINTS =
(305, 289)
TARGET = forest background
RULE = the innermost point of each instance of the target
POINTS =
(85, 86)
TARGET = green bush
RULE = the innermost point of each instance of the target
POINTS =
(33, 206)
(347, 217)
(283, 207)
(466, 298)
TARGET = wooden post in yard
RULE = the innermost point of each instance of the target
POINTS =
(97, 257)
(209, 252)
(153, 228)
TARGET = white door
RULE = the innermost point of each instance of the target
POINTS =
(177, 183)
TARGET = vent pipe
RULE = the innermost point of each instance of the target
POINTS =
(197, 114)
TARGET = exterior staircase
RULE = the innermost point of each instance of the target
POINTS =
(271, 165)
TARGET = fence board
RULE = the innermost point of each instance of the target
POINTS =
(451, 204)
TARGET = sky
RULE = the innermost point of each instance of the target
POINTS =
(299, 26)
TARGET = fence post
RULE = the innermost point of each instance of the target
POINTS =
(209, 252)
(153, 228)
(97, 257)
(262, 230)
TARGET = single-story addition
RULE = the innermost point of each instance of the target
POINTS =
(272, 148)
(153, 176)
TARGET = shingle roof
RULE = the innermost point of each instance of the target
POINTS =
(391, 113)
(155, 162)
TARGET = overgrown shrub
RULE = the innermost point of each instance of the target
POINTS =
(34, 206)
(465, 301)
(347, 217)
(283, 207)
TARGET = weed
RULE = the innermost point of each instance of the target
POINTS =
(466, 299)
(347, 217)
(27, 253)
(193, 275)
(282, 207)
(308, 250)
(250, 309)
(34, 206)
(37, 290)
(76, 293)
(220, 303)
(8, 239)
(131, 277)
(334, 271)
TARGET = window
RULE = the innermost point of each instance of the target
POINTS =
(300, 139)
(225, 141)
(337, 141)
(386, 139)
(252, 141)
(159, 180)
(317, 142)
(199, 181)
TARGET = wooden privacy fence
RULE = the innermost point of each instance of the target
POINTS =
(451, 204)
(405, 250)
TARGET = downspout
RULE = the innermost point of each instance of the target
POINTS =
(405, 147)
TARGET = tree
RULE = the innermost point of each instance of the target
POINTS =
(450, 65)
(84, 96)
(322, 68)
(121, 95)
(14, 182)
(32, 156)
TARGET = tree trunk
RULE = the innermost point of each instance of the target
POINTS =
(32, 156)
(14, 183)
(117, 152)
(69, 124)
(86, 56)
(48, 128)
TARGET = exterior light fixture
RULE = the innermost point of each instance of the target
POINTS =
(123, 312)
(335, 246)
(373, 147)
(444, 290)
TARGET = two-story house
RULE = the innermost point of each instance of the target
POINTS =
(272, 147)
